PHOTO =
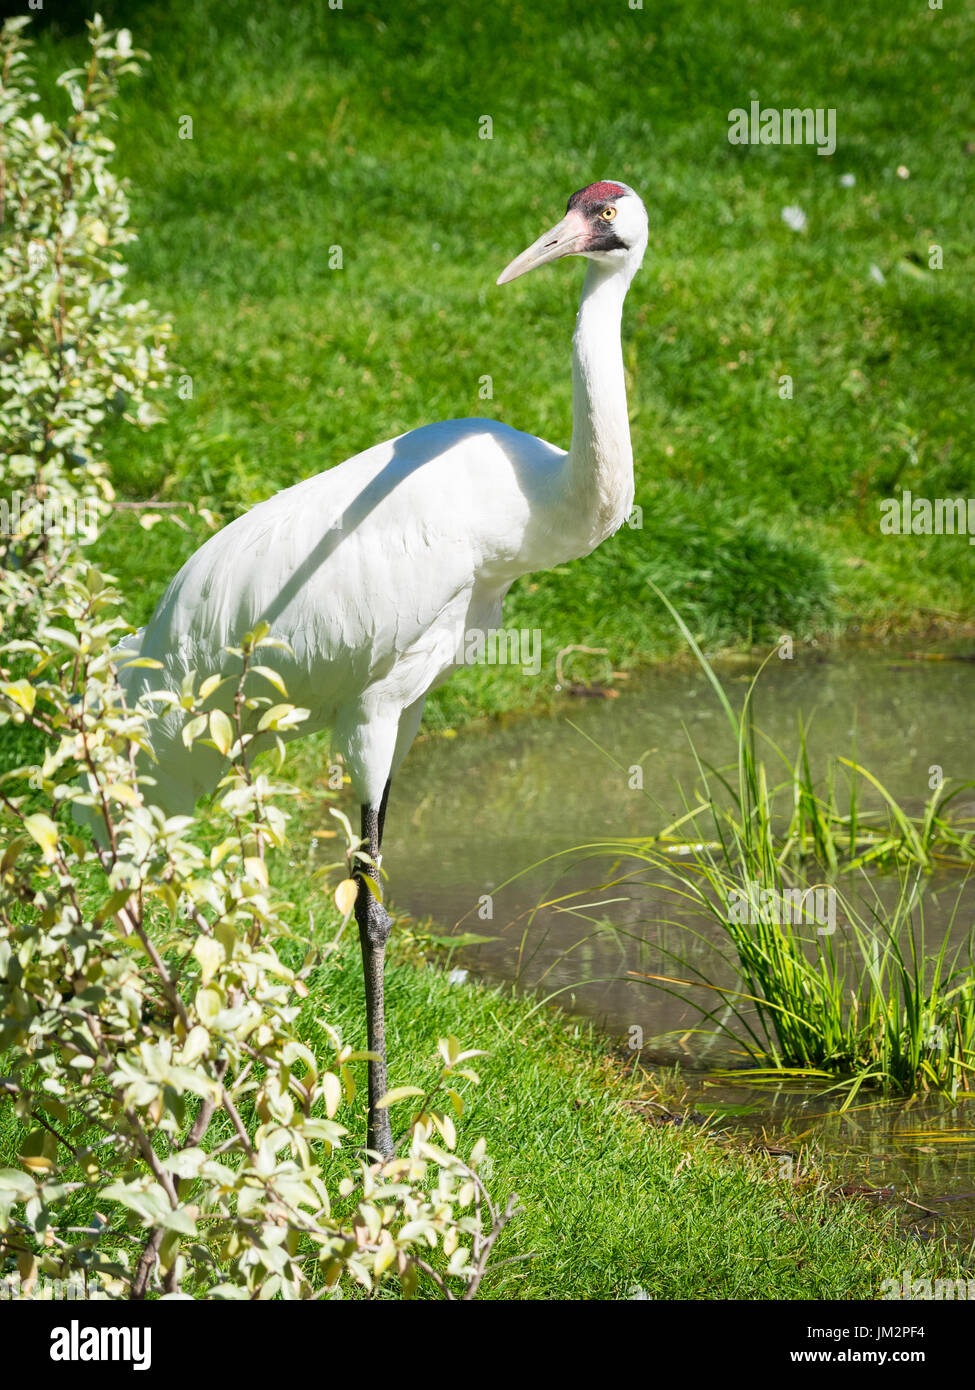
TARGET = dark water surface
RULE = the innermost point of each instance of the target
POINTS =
(469, 812)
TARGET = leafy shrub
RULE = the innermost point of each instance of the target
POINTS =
(175, 1134)
(73, 350)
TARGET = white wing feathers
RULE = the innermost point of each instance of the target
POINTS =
(369, 571)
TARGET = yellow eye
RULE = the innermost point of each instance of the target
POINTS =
(608, 214)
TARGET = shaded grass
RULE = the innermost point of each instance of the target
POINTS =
(359, 129)
(611, 1204)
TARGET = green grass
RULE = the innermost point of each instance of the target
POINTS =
(359, 128)
(610, 1202)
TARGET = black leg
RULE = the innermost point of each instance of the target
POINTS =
(382, 809)
(375, 924)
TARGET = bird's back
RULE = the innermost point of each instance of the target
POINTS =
(359, 567)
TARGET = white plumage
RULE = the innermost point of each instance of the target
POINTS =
(372, 572)
(376, 570)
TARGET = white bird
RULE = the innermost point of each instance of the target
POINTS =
(376, 570)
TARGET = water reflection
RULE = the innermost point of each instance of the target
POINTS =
(470, 812)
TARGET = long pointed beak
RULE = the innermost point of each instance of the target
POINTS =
(565, 239)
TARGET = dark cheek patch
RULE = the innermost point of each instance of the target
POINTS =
(605, 240)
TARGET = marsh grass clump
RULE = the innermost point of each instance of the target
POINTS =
(819, 903)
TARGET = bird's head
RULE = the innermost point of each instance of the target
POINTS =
(604, 222)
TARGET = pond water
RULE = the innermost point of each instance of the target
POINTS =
(468, 813)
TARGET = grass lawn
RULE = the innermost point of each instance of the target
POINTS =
(611, 1203)
(359, 128)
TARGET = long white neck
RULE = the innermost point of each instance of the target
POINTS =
(598, 472)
